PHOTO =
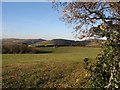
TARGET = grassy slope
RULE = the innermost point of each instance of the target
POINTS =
(61, 68)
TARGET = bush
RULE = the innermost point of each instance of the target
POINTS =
(106, 72)
(15, 48)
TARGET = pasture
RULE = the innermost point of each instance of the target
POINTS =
(60, 67)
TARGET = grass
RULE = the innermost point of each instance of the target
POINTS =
(61, 68)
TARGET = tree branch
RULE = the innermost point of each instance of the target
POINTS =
(107, 18)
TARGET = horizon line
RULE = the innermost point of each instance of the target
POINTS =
(87, 38)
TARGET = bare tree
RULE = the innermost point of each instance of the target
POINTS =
(85, 15)
(102, 19)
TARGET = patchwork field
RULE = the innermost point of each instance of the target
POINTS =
(60, 67)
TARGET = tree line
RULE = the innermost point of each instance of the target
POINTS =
(15, 48)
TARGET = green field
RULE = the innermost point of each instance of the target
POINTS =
(60, 67)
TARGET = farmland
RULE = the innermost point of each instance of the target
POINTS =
(60, 67)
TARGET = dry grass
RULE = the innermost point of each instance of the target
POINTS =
(53, 70)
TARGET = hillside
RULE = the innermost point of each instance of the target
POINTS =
(53, 42)
(56, 42)
(64, 42)
(26, 41)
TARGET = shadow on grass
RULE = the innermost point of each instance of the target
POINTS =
(41, 52)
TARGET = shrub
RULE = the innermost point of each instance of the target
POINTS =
(15, 48)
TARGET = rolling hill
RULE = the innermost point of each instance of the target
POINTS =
(26, 41)
(64, 42)
(53, 42)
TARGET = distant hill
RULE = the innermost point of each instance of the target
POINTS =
(64, 42)
(54, 42)
(57, 42)
(26, 41)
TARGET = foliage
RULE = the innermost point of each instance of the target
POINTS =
(107, 71)
(15, 48)
(87, 18)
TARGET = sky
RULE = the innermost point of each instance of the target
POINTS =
(33, 20)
